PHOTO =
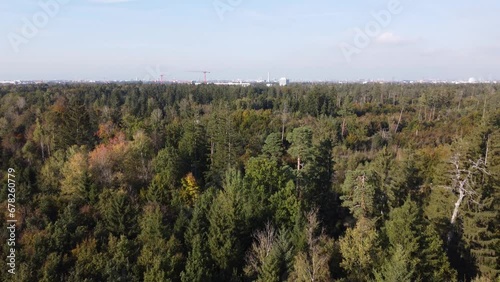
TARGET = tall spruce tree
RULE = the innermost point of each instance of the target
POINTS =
(226, 225)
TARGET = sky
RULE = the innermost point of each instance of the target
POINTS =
(246, 39)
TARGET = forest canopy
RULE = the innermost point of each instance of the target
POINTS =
(308, 182)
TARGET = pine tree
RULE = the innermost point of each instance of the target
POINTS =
(481, 224)
(51, 270)
(404, 230)
(193, 148)
(396, 179)
(435, 264)
(198, 267)
(119, 213)
(319, 177)
(359, 249)
(152, 255)
(199, 264)
(301, 149)
(199, 223)
(155, 272)
(359, 193)
(425, 257)
(262, 180)
(398, 268)
(285, 205)
(224, 140)
(163, 187)
(89, 264)
(121, 260)
(226, 224)
(273, 146)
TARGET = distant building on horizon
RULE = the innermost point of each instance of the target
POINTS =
(284, 81)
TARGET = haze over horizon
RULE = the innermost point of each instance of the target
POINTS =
(127, 39)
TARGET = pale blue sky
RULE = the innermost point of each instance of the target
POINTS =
(119, 39)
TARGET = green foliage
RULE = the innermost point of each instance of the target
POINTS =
(224, 140)
(435, 264)
(285, 205)
(480, 224)
(270, 255)
(226, 221)
(198, 268)
(312, 264)
(419, 242)
(360, 193)
(359, 249)
(403, 230)
(273, 146)
(301, 144)
(131, 181)
(397, 268)
(155, 258)
(193, 148)
(119, 213)
(263, 181)
(120, 264)
(89, 264)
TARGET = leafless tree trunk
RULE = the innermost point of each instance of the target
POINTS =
(284, 118)
(312, 265)
(48, 146)
(463, 183)
(484, 110)
(460, 97)
(461, 197)
(43, 149)
(343, 127)
(487, 151)
(212, 150)
(399, 121)
(299, 164)
(261, 248)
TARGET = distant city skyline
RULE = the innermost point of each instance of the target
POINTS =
(299, 40)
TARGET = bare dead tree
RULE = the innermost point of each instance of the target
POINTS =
(463, 183)
(313, 264)
(260, 249)
(344, 124)
(284, 119)
(399, 121)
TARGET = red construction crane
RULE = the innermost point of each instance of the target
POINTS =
(204, 75)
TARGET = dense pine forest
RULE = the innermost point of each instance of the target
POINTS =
(326, 182)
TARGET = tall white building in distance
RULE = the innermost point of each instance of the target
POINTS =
(284, 81)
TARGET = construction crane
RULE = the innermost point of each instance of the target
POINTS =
(204, 75)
